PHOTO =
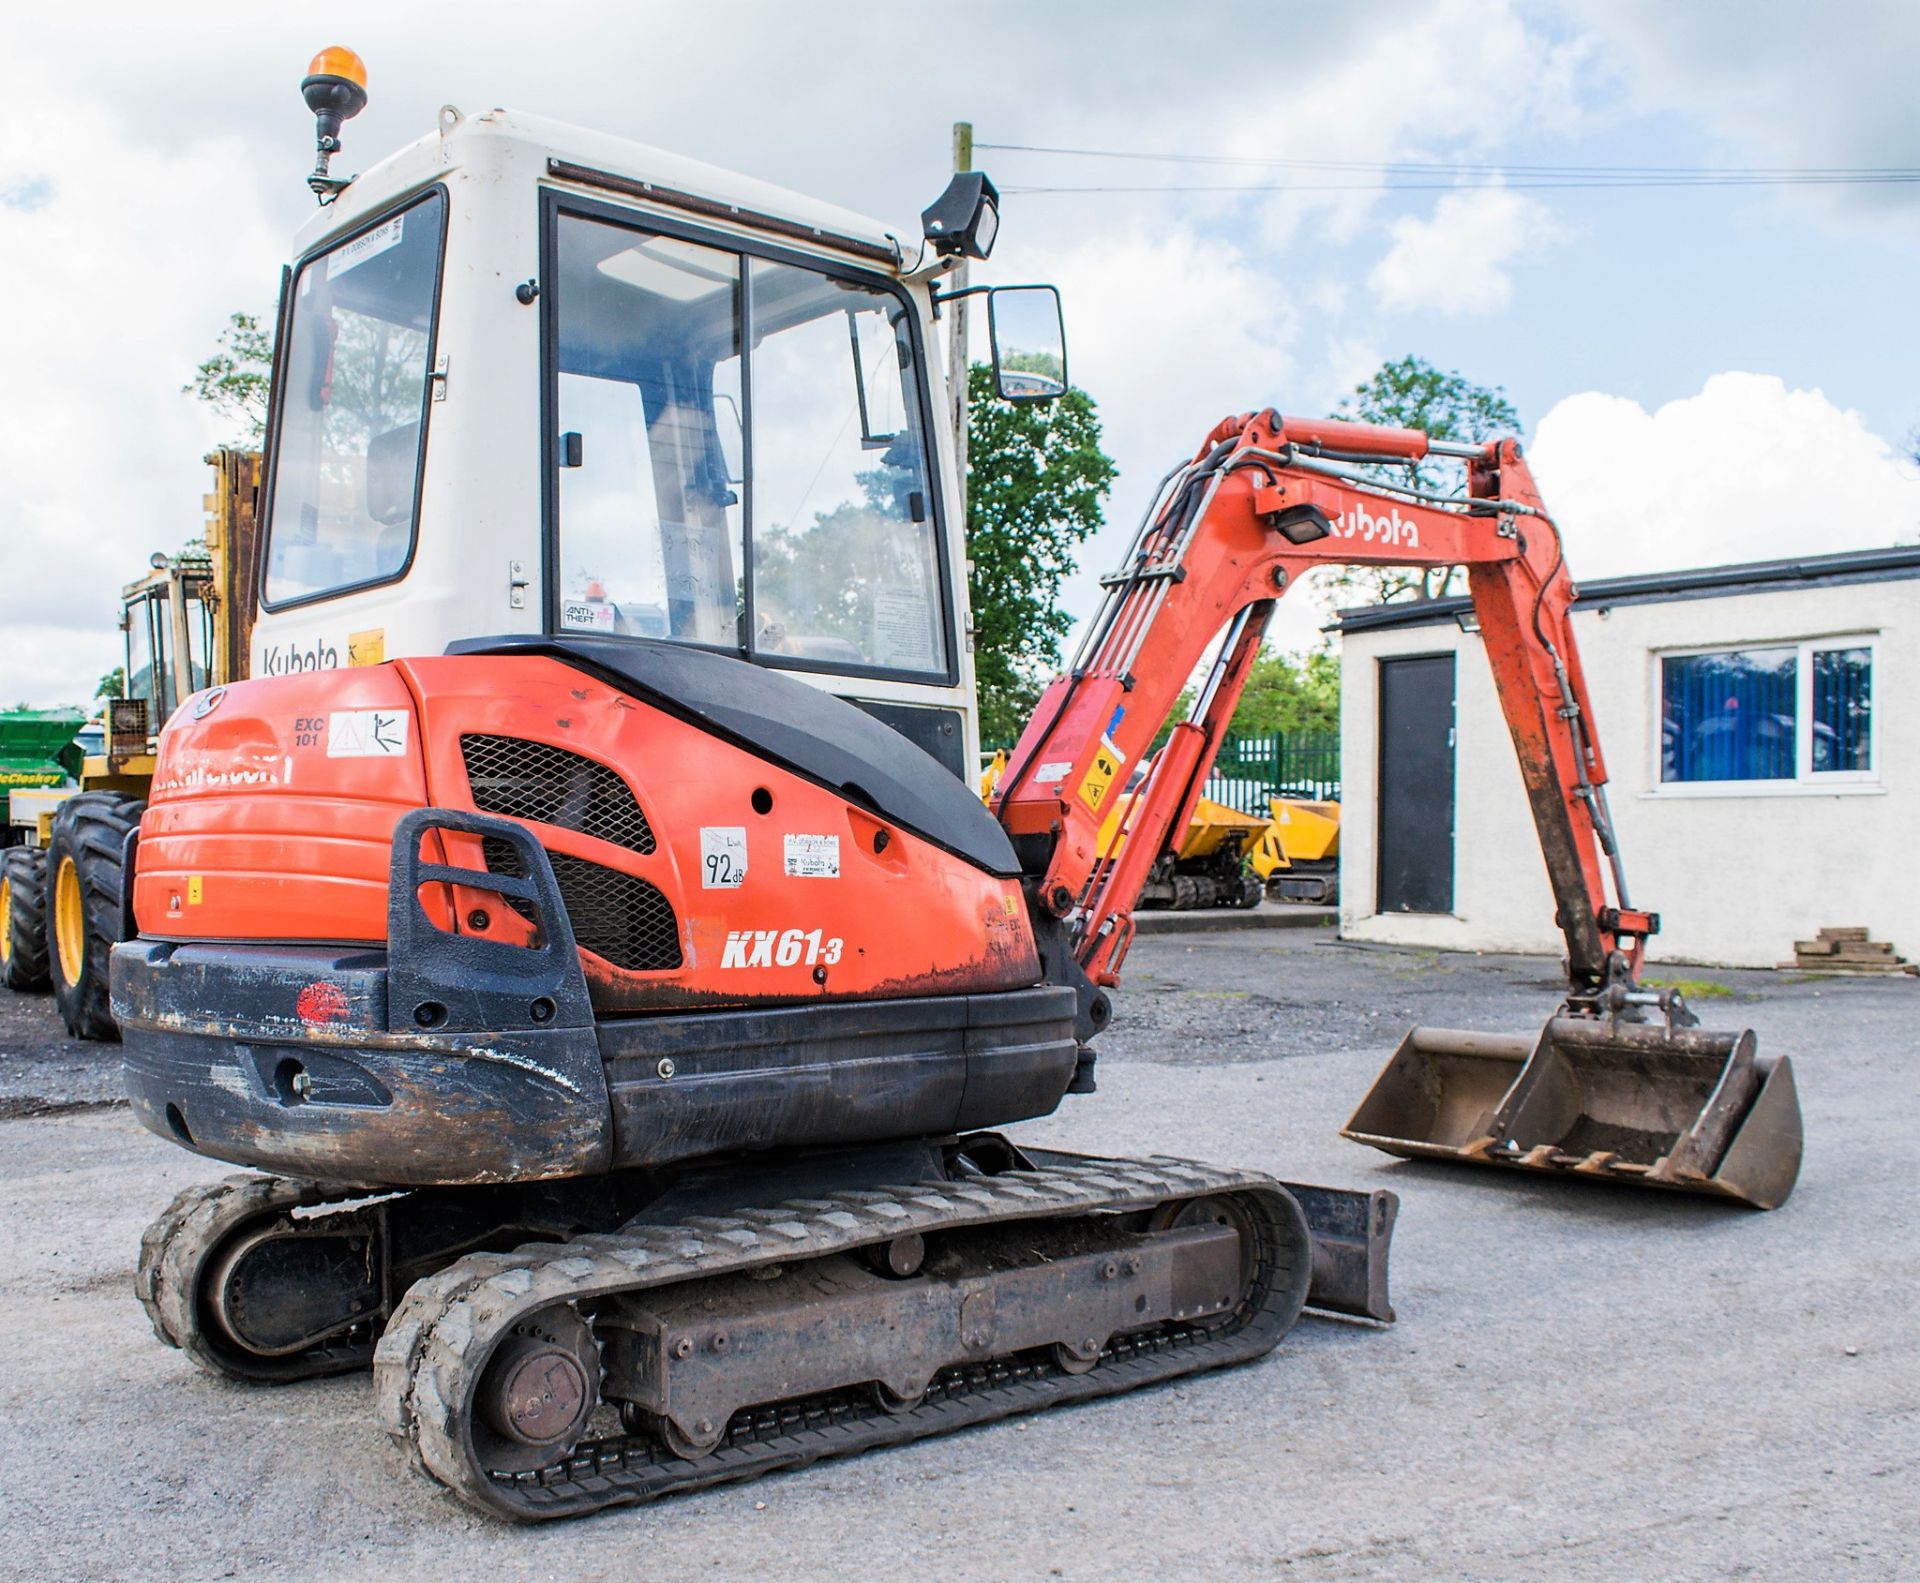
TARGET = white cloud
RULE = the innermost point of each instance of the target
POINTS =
(137, 209)
(1747, 470)
(1175, 333)
(138, 206)
(1460, 259)
(119, 272)
(1752, 71)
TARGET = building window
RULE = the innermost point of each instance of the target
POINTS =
(1842, 711)
(1783, 713)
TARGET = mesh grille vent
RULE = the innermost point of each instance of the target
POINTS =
(616, 916)
(530, 780)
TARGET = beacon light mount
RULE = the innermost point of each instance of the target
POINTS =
(335, 89)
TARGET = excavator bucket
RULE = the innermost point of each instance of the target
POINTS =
(1643, 1104)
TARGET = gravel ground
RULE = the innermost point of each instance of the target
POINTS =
(1584, 1382)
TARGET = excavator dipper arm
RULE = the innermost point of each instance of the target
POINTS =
(1266, 499)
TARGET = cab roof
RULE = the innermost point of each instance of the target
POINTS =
(510, 144)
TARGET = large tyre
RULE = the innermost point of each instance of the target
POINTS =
(23, 917)
(83, 905)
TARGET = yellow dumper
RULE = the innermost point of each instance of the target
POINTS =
(1209, 869)
(1297, 855)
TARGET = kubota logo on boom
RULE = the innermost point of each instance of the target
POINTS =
(1387, 528)
(779, 948)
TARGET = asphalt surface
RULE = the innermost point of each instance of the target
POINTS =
(1584, 1383)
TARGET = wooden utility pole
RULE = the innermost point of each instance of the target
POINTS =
(957, 337)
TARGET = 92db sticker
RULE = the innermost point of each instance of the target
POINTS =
(723, 857)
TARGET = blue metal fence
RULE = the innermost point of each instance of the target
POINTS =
(1250, 770)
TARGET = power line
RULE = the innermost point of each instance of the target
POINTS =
(1905, 178)
(1398, 175)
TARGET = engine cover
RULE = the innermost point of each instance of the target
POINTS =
(696, 870)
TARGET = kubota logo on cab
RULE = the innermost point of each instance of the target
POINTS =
(779, 948)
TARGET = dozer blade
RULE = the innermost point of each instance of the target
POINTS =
(1641, 1104)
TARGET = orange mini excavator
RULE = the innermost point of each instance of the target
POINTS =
(625, 1018)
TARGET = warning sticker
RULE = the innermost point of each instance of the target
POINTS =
(1046, 774)
(723, 856)
(367, 733)
(367, 648)
(813, 856)
(1100, 777)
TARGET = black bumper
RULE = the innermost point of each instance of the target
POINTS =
(452, 1060)
(218, 1060)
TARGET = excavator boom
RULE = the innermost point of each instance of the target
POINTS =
(1266, 499)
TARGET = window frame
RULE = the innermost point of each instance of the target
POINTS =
(556, 203)
(1805, 781)
(270, 460)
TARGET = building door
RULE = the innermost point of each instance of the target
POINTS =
(1416, 785)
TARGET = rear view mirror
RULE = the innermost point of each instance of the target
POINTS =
(1029, 342)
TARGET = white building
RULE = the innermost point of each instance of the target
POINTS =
(1765, 773)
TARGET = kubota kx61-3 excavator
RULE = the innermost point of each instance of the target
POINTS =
(624, 999)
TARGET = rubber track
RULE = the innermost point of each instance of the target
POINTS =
(436, 1345)
(174, 1251)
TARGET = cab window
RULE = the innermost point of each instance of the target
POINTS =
(773, 502)
(353, 400)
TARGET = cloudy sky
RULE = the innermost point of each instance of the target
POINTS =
(1705, 373)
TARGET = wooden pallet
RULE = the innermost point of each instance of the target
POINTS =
(1847, 950)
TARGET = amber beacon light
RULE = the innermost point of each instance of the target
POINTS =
(335, 89)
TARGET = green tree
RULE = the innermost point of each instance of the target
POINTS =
(234, 380)
(113, 684)
(1284, 693)
(1037, 481)
(1290, 692)
(1413, 394)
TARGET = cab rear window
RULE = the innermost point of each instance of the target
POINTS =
(355, 385)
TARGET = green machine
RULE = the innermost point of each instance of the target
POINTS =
(38, 751)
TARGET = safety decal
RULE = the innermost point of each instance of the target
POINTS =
(367, 648)
(780, 948)
(1100, 776)
(813, 856)
(723, 856)
(1046, 774)
(367, 733)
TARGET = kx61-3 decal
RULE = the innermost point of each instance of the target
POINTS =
(779, 948)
